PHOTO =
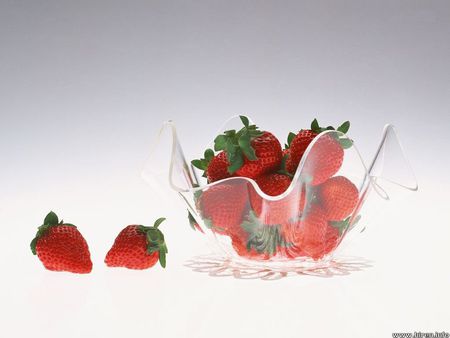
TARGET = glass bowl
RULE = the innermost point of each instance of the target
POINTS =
(304, 225)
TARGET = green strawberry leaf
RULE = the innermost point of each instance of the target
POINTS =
(51, 218)
(152, 236)
(245, 121)
(290, 138)
(33, 245)
(162, 258)
(355, 221)
(220, 142)
(155, 240)
(203, 163)
(237, 145)
(344, 127)
(208, 223)
(283, 169)
(197, 194)
(315, 126)
(345, 143)
(236, 162)
(192, 220)
(199, 164)
(164, 247)
(341, 225)
(209, 155)
(262, 237)
(244, 142)
(231, 150)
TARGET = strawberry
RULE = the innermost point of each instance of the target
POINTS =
(61, 247)
(215, 167)
(250, 152)
(312, 232)
(338, 197)
(138, 247)
(307, 236)
(324, 159)
(297, 149)
(332, 236)
(222, 206)
(328, 159)
(273, 212)
(239, 244)
(286, 166)
(279, 211)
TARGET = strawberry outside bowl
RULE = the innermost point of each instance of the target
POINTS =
(303, 226)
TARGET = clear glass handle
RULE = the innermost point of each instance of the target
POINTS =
(390, 164)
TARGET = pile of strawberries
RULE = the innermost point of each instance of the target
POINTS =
(309, 220)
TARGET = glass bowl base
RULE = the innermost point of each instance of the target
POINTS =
(231, 266)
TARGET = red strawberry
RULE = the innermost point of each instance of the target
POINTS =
(250, 152)
(307, 236)
(61, 247)
(297, 149)
(327, 153)
(338, 196)
(332, 237)
(268, 156)
(279, 211)
(273, 212)
(222, 206)
(286, 162)
(290, 165)
(138, 247)
(239, 244)
(324, 159)
(215, 166)
(312, 232)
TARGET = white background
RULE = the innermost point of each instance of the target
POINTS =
(84, 87)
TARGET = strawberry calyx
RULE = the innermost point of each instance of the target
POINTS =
(263, 238)
(237, 144)
(345, 224)
(203, 163)
(155, 240)
(343, 128)
(210, 225)
(49, 221)
(290, 137)
(193, 223)
(283, 170)
(340, 225)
